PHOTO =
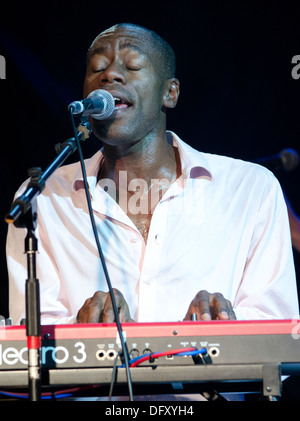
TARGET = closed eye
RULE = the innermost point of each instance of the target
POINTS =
(133, 69)
(98, 70)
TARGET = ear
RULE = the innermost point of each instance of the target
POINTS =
(171, 95)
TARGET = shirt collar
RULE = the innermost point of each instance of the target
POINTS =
(193, 165)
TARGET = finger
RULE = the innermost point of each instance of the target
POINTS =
(221, 308)
(122, 308)
(92, 308)
(82, 315)
(203, 310)
(200, 306)
(108, 315)
(231, 312)
(124, 314)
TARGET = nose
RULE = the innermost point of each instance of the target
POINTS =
(112, 74)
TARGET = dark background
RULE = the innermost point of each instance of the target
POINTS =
(238, 97)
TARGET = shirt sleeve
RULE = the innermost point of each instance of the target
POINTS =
(268, 289)
(53, 310)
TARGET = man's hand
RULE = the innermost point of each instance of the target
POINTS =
(210, 307)
(99, 309)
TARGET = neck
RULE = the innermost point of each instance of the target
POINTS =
(148, 159)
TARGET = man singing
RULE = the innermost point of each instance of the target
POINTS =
(182, 231)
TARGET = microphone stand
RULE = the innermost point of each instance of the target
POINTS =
(23, 214)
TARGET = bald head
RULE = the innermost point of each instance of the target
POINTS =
(161, 51)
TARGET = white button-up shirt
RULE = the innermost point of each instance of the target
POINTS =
(221, 227)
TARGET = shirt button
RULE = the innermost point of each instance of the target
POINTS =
(158, 239)
(134, 240)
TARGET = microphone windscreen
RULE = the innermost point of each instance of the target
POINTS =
(289, 158)
(109, 103)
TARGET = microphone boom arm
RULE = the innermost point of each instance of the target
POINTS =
(37, 183)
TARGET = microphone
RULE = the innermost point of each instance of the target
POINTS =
(287, 159)
(100, 104)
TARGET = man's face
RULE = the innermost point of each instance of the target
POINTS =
(123, 62)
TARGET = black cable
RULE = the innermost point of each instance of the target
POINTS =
(113, 377)
(115, 310)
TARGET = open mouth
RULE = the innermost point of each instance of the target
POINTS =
(121, 103)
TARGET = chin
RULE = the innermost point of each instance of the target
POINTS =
(113, 134)
(114, 137)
